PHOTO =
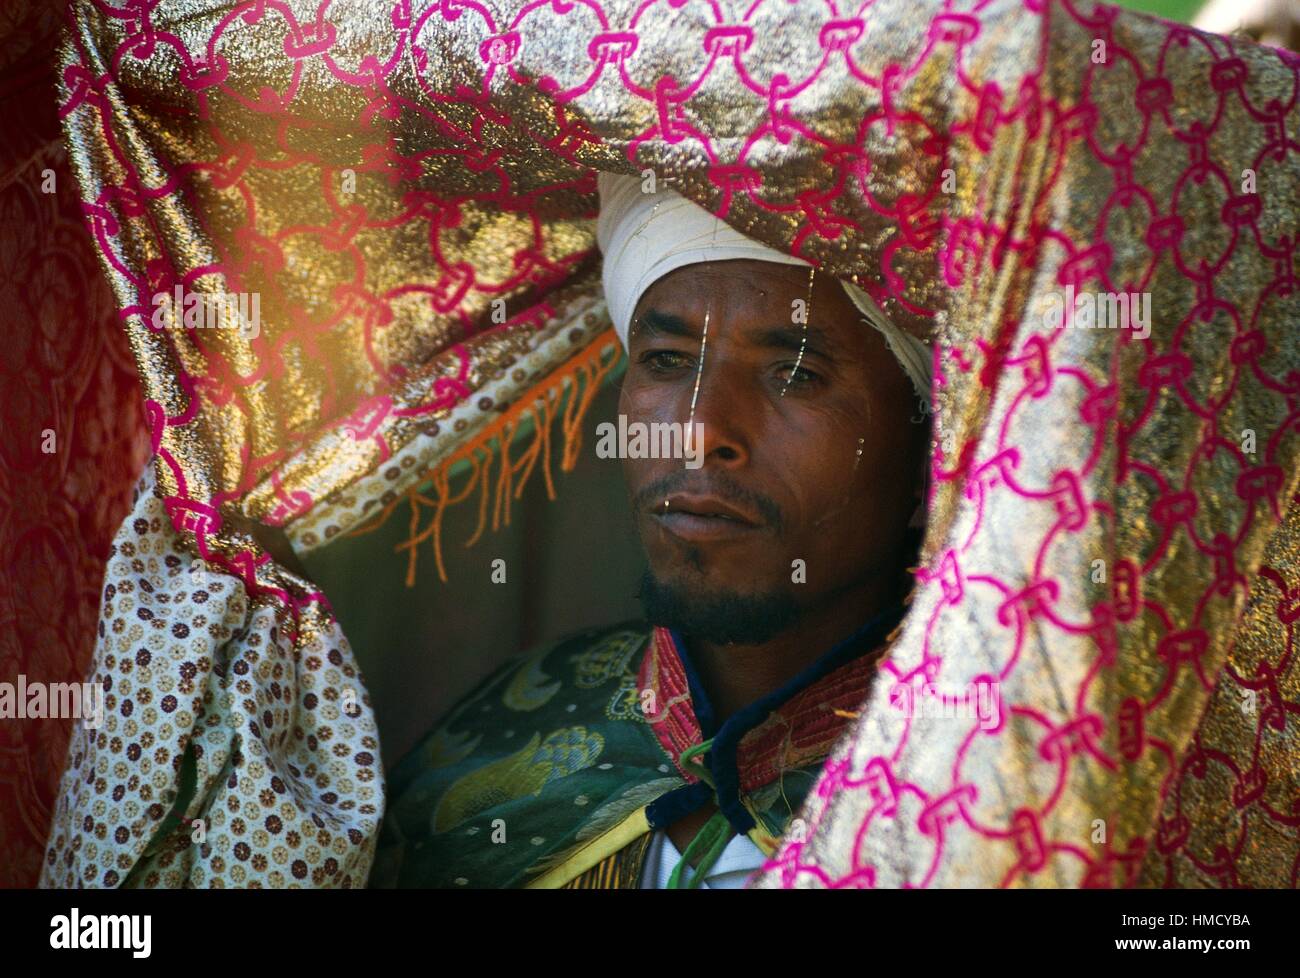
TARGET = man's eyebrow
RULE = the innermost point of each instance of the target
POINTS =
(795, 337)
(656, 323)
(785, 336)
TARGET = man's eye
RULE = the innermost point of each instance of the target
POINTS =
(796, 376)
(663, 361)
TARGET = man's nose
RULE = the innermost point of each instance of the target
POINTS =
(718, 411)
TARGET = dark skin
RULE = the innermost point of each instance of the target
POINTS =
(782, 478)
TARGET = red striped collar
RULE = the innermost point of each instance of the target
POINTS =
(798, 732)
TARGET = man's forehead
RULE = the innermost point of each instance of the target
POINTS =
(764, 331)
(740, 282)
(768, 276)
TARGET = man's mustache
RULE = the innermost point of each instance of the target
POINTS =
(713, 484)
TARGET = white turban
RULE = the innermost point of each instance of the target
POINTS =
(644, 236)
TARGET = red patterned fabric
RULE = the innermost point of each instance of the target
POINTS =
(65, 365)
(798, 732)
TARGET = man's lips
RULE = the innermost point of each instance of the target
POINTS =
(703, 518)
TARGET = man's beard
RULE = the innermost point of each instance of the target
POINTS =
(724, 617)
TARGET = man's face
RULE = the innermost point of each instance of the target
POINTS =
(824, 473)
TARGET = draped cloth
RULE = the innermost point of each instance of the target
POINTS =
(410, 190)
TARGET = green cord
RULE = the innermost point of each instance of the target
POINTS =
(701, 769)
(711, 840)
(713, 835)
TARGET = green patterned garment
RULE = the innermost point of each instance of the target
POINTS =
(547, 752)
(554, 749)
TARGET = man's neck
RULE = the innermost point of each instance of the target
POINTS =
(736, 675)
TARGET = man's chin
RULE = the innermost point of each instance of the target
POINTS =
(713, 615)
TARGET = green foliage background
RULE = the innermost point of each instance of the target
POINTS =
(1183, 10)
